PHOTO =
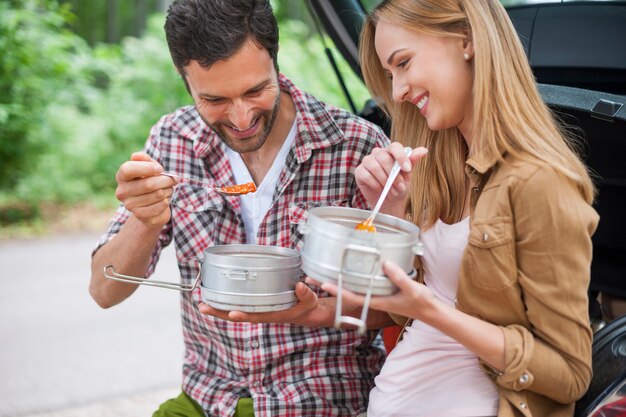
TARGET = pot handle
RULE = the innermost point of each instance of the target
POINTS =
(304, 228)
(418, 249)
(153, 283)
(361, 322)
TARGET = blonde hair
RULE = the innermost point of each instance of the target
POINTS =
(510, 116)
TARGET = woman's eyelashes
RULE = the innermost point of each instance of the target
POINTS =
(403, 64)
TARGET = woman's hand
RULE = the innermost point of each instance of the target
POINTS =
(413, 299)
(374, 170)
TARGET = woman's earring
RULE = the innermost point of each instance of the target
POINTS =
(466, 56)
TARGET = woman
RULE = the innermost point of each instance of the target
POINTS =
(504, 203)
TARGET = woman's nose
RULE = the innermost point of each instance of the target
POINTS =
(400, 90)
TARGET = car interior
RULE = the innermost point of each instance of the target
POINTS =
(576, 50)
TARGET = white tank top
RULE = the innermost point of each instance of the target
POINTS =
(429, 373)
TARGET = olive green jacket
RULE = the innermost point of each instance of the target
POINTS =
(526, 268)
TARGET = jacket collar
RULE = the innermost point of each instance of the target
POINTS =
(481, 164)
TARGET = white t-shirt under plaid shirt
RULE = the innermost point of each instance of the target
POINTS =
(289, 371)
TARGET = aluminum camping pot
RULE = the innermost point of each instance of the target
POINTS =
(335, 252)
(250, 278)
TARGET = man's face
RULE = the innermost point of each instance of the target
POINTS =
(238, 97)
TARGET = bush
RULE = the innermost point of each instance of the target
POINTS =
(36, 56)
(71, 114)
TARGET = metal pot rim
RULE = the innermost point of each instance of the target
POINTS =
(321, 218)
(256, 257)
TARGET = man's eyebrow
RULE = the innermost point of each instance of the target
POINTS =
(250, 90)
(393, 54)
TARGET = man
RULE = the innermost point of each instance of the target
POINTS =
(249, 123)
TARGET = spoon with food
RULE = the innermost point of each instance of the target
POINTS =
(234, 190)
(368, 224)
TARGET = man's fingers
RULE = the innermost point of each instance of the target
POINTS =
(141, 156)
(240, 316)
(305, 295)
(306, 301)
(132, 170)
(208, 310)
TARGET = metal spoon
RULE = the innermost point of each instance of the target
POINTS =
(368, 224)
(249, 187)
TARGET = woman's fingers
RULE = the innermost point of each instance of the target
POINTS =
(397, 275)
(417, 154)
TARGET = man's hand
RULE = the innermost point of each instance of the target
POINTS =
(309, 311)
(143, 191)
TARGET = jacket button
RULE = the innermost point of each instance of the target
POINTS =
(485, 237)
(523, 379)
(522, 405)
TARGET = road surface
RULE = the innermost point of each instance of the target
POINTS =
(62, 355)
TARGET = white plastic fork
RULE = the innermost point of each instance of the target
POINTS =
(368, 224)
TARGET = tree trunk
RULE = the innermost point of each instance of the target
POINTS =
(113, 35)
(141, 16)
(163, 5)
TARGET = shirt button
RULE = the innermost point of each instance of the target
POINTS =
(522, 405)
(485, 237)
(254, 344)
(523, 379)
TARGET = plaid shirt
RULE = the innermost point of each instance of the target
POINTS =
(289, 371)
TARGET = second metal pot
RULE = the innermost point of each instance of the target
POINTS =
(335, 252)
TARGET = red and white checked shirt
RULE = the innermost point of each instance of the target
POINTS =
(289, 371)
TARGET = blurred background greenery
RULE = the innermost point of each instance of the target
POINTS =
(82, 82)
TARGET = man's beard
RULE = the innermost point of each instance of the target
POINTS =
(249, 144)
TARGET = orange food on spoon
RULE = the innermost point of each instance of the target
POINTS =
(246, 188)
(366, 225)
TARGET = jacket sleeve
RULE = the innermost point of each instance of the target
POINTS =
(554, 225)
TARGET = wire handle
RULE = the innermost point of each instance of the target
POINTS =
(153, 283)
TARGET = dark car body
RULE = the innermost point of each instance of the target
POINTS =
(577, 50)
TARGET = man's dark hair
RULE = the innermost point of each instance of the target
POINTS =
(211, 30)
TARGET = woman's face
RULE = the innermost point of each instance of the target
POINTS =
(429, 72)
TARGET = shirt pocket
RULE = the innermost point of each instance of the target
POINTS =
(299, 214)
(490, 255)
(197, 214)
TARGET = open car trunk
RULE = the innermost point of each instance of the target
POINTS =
(577, 53)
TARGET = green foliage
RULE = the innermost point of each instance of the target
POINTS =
(141, 86)
(302, 58)
(126, 88)
(36, 56)
(71, 114)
